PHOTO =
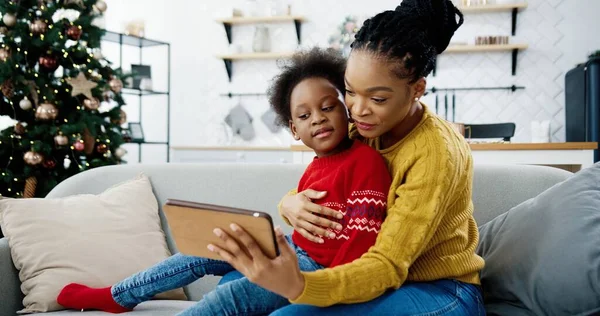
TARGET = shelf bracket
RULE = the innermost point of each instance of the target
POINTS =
(229, 67)
(298, 24)
(514, 21)
(228, 31)
(515, 53)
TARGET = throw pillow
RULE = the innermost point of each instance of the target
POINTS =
(542, 257)
(95, 240)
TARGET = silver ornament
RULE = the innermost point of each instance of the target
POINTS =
(120, 152)
(25, 104)
(67, 162)
(101, 6)
(9, 20)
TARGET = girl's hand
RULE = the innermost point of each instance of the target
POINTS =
(280, 275)
(307, 217)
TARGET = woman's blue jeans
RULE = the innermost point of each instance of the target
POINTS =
(442, 297)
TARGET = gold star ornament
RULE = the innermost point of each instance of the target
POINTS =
(81, 85)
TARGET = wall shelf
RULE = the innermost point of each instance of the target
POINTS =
(493, 7)
(130, 40)
(272, 55)
(513, 7)
(514, 48)
(228, 22)
(139, 92)
(485, 48)
(243, 94)
(261, 19)
(229, 58)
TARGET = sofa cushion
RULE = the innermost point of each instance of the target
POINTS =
(96, 240)
(151, 308)
(542, 257)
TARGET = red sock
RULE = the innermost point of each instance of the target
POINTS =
(77, 296)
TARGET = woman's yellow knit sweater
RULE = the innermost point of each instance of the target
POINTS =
(429, 232)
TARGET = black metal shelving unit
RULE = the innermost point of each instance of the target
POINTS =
(141, 43)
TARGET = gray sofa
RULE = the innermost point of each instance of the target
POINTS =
(497, 188)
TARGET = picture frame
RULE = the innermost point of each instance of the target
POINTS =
(135, 132)
(141, 73)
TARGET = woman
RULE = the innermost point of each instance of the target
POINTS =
(424, 260)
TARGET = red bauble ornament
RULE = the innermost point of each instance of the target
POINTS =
(49, 62)
(4, 54)
(74, 32)
(102, 148)
(19, 129)
(79, 146)
(49, 164)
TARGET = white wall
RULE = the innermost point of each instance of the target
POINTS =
(580, 27)
(560, 34)
(198, 77)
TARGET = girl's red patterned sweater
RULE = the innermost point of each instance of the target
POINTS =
(357, 182)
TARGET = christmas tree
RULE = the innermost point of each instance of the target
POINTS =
(62, 93)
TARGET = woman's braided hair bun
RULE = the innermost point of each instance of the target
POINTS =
(414, 33)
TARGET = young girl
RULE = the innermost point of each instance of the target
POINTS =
(424, 260)
(307, 98)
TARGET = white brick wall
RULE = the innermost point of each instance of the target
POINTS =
(559, 34)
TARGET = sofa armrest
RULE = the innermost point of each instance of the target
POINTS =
(11, 297)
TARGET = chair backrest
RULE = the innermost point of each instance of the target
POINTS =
(498, 130)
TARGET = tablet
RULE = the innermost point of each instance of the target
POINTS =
(192, 226)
